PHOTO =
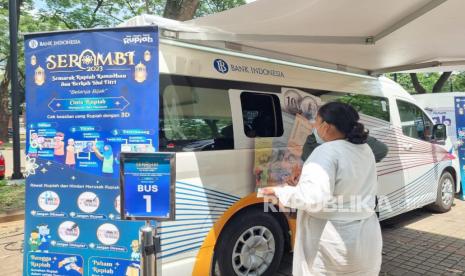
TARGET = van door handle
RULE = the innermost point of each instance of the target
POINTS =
(408, 147)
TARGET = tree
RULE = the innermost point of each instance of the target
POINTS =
(84, 14)
(421, 83)
(183, 10)
(438, 85)
(5, 61)
(214, 6)
(28, 22)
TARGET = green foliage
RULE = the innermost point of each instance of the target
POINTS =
(196, 129)
(376, 107)
(28, 23)
(428, 80)
(78, 14)
(75, 14)
(213, 6)
(458, 82)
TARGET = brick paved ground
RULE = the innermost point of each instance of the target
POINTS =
(422, 243)
(416, 243)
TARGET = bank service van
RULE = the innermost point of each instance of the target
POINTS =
(236, 123)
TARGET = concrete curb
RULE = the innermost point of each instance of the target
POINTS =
(11, 216)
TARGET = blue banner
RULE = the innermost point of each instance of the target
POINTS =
(90, 95)
(459, 103)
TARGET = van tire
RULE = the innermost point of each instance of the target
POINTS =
(237, 234)
(445, 194)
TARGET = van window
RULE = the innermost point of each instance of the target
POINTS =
(374, 106)
(414, 121)
(261, 114)
(195, 119)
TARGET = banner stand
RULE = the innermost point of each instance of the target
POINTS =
(90, 96)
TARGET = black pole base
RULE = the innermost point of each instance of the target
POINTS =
(17, 176)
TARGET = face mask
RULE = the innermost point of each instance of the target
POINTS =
(317, 137)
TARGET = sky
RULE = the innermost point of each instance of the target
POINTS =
(38, 4)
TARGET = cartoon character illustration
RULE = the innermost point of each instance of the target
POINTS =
(59, 147)
(135, 255)
(44, 236)
(33, 145)
(70, 153)
(106, 156)
(34, 240)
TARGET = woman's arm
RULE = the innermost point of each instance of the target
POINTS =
(316, 184)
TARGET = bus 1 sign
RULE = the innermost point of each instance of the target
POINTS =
(147, 186)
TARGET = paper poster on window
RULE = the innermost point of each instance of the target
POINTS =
(90, 95)
(279, 160)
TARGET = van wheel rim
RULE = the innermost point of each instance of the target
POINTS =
(447, 191)
(254, 251)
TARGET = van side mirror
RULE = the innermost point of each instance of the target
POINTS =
(440, 134)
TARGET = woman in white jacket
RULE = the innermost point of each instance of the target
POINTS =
(338, 232)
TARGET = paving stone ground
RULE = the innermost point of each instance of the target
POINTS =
(11, 245)
(419, 243)
(416, 243)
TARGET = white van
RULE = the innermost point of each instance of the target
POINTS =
(235, 122)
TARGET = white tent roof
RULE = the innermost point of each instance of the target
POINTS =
(368, 36)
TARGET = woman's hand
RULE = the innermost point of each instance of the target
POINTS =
(267, 191)
(269, 195)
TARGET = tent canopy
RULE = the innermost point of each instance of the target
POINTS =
(362, 36)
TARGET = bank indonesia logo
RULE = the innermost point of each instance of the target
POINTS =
(221, 66)
(33, 43)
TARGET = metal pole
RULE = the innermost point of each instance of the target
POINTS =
(148, 256)
(13, 17)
